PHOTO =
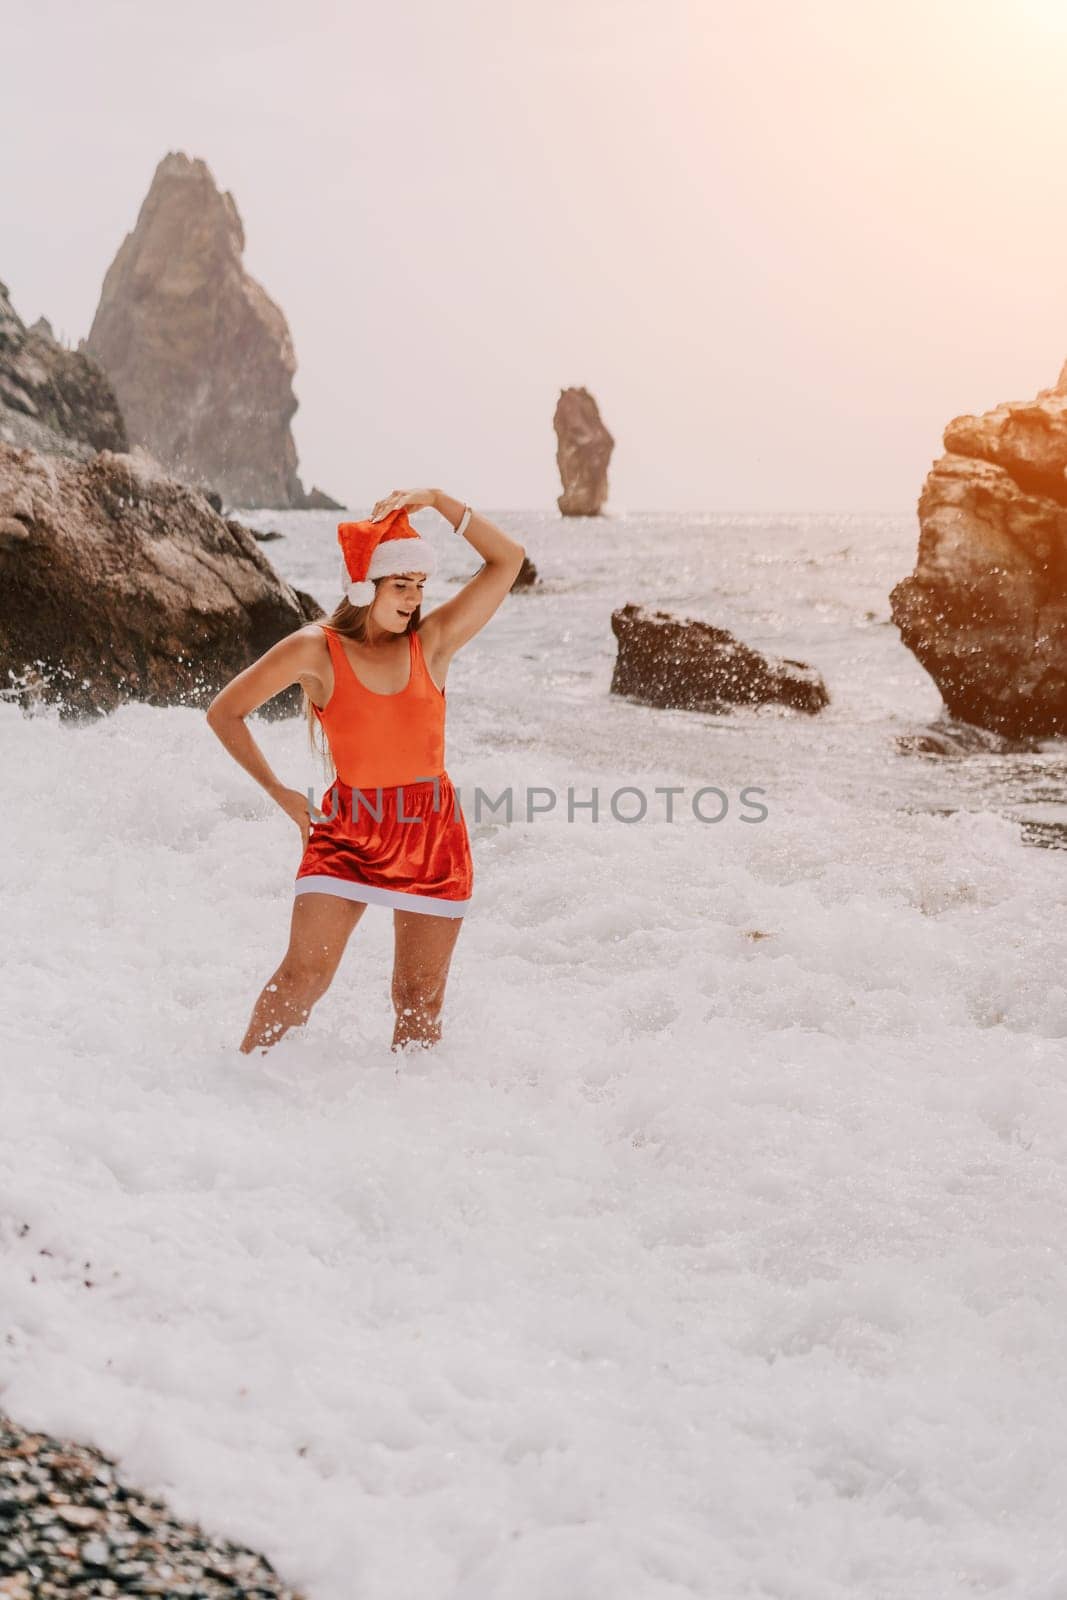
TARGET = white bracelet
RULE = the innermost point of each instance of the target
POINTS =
(464, 519)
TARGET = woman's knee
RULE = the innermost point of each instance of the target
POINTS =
(299, 977)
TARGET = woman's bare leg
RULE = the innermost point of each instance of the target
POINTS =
(423, 947)
(318, 933)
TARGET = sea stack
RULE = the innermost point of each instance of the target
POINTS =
(985, 610)
(199, 354)
(583, 451)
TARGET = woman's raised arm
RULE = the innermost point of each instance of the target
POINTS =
(450, 625)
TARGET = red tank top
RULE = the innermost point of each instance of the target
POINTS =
(378, 740)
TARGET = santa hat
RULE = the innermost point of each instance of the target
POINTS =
(380, 549)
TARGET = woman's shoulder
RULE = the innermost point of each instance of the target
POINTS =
(310, 643)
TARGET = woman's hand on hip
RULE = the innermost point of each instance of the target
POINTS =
(295, 805)
(413, 499)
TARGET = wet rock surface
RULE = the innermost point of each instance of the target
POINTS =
(679, 663)
(985, 610)
(70, 1526)
(956, 741)
(118, 583)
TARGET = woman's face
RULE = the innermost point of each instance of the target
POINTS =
(396, 599)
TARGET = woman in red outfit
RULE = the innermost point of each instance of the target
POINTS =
(390, 831)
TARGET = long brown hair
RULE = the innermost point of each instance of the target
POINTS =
(351, 623)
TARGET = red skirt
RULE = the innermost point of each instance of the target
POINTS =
(405, 847)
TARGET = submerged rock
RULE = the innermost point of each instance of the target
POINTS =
(679, 663)
(985, 610)
(526, 577)
(52, 399)
(583, 451)
(956, 740)
(200, 355)
(121, 584)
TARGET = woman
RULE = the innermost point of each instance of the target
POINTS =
(391, 833)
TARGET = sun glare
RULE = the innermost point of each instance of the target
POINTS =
(1041, 16)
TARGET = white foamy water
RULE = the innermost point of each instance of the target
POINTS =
(718, 1249)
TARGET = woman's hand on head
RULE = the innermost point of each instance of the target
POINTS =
(413, 499)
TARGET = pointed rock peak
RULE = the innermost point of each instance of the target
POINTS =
(200, 355)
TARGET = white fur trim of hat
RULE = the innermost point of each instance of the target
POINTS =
(382, 549)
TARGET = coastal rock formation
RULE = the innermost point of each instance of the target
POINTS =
(583, 450)
(317, 499)
(678, 663)
(51, 398)
(199, 354)
(985, 610)
(119, 584)
(526, 577)
(73, 1526)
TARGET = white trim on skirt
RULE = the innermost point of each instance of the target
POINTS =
(432, 905)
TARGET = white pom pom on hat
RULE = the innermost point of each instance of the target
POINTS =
(380, 549)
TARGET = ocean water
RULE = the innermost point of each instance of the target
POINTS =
(718, 1248)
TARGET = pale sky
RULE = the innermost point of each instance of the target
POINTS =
(782, 243)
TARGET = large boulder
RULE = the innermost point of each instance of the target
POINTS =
(119, 584)
(53, 399)
(678, 663)
(583, 451)
(985, 610)
(200, 355)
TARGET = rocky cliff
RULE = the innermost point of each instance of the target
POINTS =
(51, 398)
(199, 354)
